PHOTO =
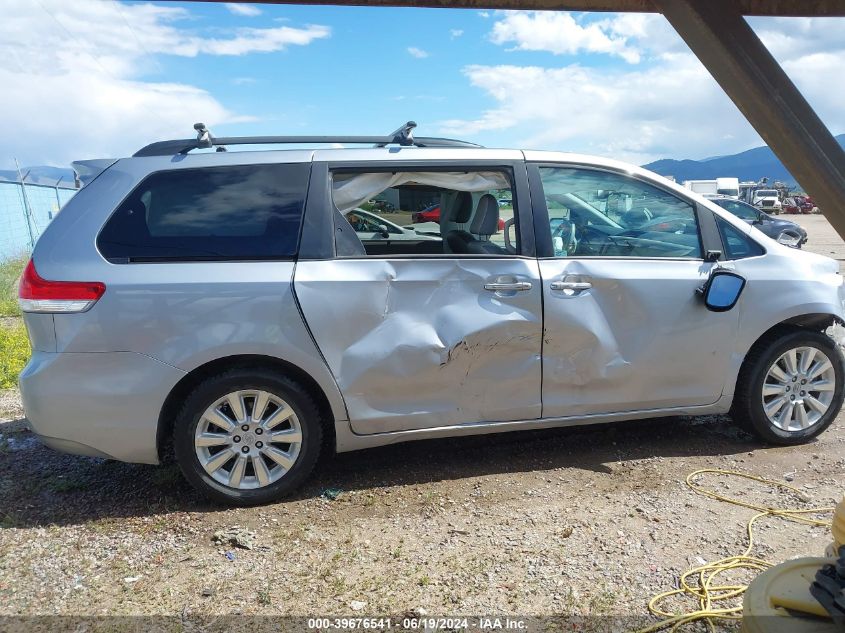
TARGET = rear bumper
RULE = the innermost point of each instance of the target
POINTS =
(97, 404)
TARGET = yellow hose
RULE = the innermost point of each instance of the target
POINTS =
(711, 597)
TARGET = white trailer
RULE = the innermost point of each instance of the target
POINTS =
(703, 187)
(728, 187)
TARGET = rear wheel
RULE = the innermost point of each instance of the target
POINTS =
(247, 437)
(790, 387)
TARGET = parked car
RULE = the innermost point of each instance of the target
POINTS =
(429, 214)
(805, 204)
(790, 206)
(784, 231)
(219, 309)
(370, 226)
(767, 199)
(797, 205)
(432, 214)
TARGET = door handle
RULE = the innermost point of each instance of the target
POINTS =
(507, 286)
(571, 285)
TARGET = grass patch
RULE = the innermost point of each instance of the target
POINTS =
(66, 485)
(10, 271)
(14, 353)
(168, 476)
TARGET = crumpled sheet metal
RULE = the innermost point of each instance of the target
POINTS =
(419, 343)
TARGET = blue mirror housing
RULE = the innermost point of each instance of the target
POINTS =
(722, 290)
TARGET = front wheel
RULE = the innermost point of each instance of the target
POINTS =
(247, 437)
(790, 387)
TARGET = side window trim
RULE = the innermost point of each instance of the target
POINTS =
(711, 238)
(545, 248)
(316, 241)
(540, 210)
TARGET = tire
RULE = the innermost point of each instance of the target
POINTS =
(289, 412)
(764, 363)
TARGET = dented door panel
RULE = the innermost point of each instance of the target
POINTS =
(630, 334)
(420, 343)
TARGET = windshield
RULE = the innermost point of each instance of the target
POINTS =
(739, 209)
(767, 193)
(728, 192)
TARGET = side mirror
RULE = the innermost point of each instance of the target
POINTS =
(382, 229)
(722, 290)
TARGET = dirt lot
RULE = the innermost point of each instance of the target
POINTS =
(589, 521)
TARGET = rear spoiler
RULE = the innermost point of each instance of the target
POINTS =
(88, 170)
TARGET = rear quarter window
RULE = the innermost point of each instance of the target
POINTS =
(243, 212)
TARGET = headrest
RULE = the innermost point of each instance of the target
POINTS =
(486, 220)
(462, 207)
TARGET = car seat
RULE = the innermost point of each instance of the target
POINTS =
(485, 223)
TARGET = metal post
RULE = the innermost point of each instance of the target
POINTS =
(728, 47)
(58, 199)
(27, 209)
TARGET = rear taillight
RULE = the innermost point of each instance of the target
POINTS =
(36, 294)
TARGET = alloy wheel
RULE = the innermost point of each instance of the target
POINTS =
(248, 439)
(798, 388)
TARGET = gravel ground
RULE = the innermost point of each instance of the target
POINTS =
(586, 521)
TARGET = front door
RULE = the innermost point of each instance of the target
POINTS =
(624, 327)
(433, 332)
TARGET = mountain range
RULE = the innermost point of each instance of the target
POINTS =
(752, 164)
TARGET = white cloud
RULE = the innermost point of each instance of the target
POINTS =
(666, 106)
(73, 75)
(239, 8)
(455, 33)
(249, 40)
(633, 115)
(560, 33)
(417, 52)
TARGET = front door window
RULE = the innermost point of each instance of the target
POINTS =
(602, 214)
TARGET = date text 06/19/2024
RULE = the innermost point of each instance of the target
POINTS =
(418, 624)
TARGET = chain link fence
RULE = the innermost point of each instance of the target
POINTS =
(25, 213)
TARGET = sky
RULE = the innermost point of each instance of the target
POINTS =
(101, 78)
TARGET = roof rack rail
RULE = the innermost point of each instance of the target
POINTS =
(403, 137)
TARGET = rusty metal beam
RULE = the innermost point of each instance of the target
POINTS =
(745, 7)
(728, 47)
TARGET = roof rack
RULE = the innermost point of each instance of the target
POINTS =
(403, 137)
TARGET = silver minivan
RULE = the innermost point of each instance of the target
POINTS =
(218, 307)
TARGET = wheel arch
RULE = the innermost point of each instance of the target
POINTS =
(813, 321)
(164, 432)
